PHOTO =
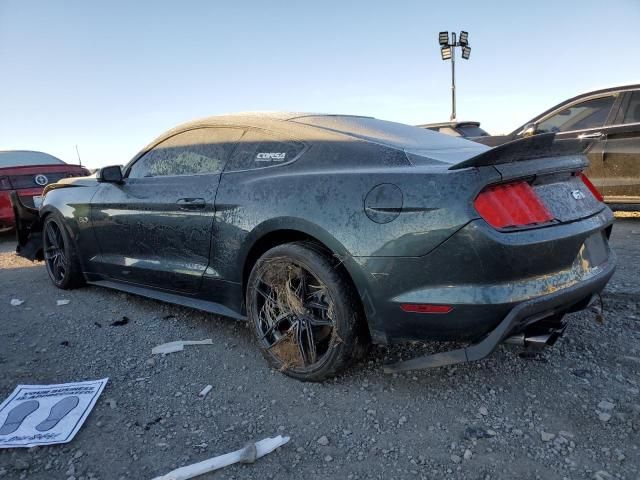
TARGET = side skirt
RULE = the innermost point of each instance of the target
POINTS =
(198, 304)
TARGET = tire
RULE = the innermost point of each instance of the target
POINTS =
(297, 297)
(60, 256)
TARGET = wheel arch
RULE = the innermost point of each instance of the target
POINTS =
(49, 210)
(266, 238)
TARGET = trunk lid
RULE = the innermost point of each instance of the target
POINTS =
(552, 169)
(37, 176)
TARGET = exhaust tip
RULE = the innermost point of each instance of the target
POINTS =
(537, 341)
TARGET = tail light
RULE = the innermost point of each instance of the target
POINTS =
(5, 184)
(511, 205)
(592, 188)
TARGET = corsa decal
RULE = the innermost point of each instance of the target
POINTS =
(270, 157)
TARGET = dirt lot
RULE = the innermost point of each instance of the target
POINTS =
(505, 417)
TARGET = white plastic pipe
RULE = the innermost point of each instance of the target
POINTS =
(247, 454)
(178, 346)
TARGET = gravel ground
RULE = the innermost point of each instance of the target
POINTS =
(572, 411)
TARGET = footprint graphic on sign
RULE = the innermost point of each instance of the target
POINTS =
(17, 415)
(58, 412)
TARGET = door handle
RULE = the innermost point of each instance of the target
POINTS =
(590, 136)
(191, 203)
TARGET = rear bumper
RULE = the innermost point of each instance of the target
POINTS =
(7, 218)
(28, 228)
(483, 275)
(522, 315)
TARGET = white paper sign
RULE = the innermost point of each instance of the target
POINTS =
(46, 414)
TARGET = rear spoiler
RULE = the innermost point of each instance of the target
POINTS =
(543, 145)
(28, 229)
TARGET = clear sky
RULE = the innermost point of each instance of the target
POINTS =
(112, 75)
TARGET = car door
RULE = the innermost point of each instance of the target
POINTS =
(586, 119)
(154, 229)
(621, 160)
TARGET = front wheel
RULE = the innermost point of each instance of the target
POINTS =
(60, 256)
(304, 312)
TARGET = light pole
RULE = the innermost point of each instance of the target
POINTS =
(448, 52)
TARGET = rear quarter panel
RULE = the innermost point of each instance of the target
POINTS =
(328, 204)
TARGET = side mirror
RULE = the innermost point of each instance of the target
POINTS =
(111, 174)
(529, 130)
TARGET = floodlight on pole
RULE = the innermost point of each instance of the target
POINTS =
(448, 52)
(464, 38)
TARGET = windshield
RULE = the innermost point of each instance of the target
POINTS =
(24, 158)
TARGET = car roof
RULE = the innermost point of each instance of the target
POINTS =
(634, 86)
(591, 93)
(264, 120)
(19, 158)
(297, 124)
(254, 119)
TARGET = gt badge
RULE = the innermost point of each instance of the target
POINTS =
(577, 194)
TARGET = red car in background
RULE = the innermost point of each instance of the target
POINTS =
(28, 173)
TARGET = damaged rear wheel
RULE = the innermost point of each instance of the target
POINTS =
(303, 312)
(60, 257)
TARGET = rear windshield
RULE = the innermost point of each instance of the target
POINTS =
(421, 144)
(390, 133)
(18, 158)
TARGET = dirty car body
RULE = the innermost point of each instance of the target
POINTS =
(441, 238)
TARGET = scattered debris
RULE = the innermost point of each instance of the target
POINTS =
(602, 475)
(205, 391)
(606, 406)
(248, 454)
(119, 323)
(178, 346)
(323, 440)
(546, 437)
(148, 425)
(15, 302)
(604, 417)
(59, 303)
(582, 372)
(473, 432)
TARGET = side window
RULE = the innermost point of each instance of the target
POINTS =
(632, 115)
(590, 114)
(195, 152)
(258, 149)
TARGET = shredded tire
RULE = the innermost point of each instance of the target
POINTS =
(278, 291)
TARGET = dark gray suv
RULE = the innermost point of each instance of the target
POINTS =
(611, 119)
